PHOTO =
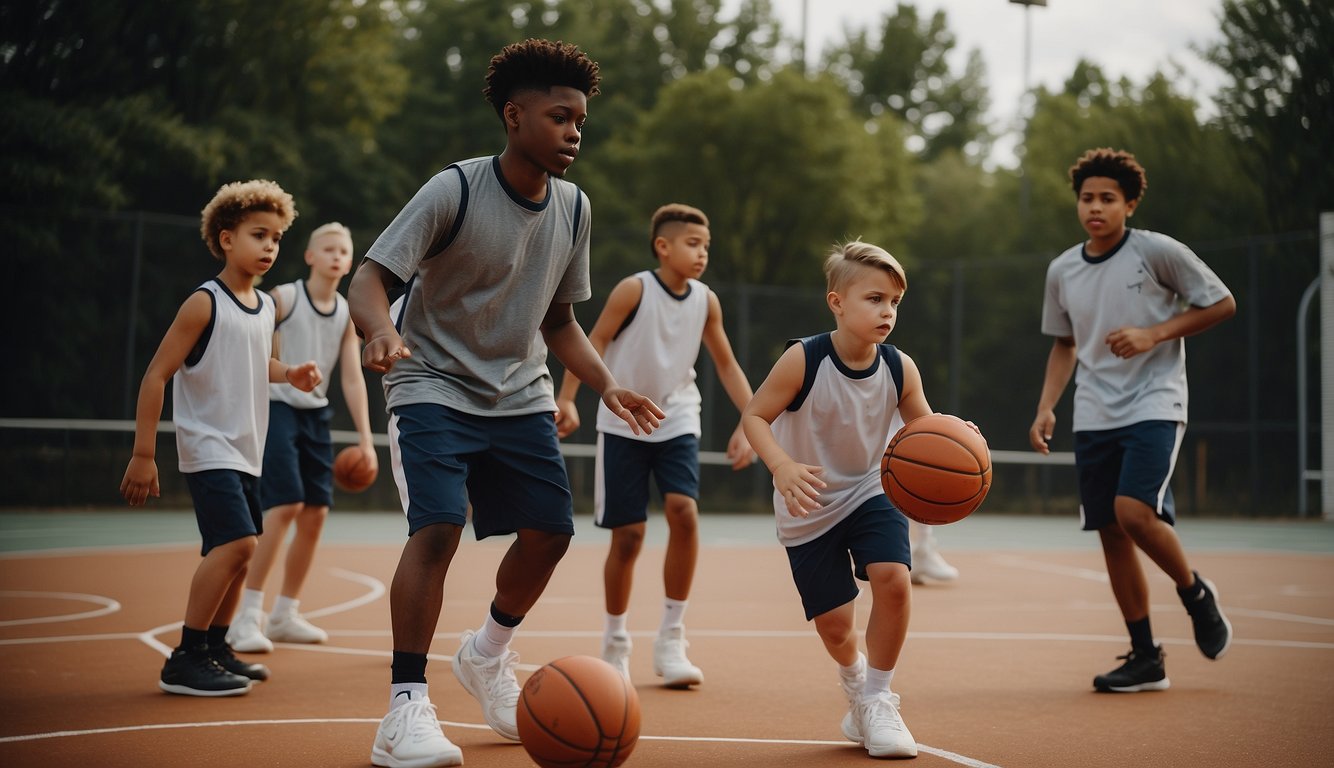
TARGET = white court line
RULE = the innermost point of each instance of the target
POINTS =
(108, 606)
(1061, 570)
(953, 757)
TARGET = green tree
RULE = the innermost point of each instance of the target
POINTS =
(1279, 58)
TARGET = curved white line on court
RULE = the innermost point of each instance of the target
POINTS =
(108, 606)
(951, 756)
(374, 585)
(149, 638)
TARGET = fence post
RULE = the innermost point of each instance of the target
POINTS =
(1303, 443)
(1327, 366)
(132, 322)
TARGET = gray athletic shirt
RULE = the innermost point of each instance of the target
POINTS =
(1141, 282)
(475, 302)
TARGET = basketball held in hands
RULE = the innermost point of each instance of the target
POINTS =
(937, 469)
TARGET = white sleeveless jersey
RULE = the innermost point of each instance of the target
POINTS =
(309, 334)
(840, 420)
(220, 396)
(654, 354)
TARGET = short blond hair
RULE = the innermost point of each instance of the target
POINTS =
(845, 260)
(332, 228)
(234, 201)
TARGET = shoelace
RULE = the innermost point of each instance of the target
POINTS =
(421, 719)
(501, 687)
(883, 710)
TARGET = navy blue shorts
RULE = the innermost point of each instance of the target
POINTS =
(875, 532)
(298, 457)
(620, 493)
(509, 468)
(226, 506)
(1134, 461)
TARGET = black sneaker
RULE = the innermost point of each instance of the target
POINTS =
(194, 673)
(1213, 632)
(227, 660)
(1141, 672)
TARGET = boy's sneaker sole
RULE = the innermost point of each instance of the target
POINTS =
(1105, 687)
(186, 690)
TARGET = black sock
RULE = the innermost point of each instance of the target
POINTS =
(504, 619)
(217, 635)
(1194, 591)
(192, 639)
(408, 667)
(1141, 637)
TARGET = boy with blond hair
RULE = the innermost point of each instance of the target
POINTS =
(649, 334)
(217, 354)
(297, 484)
(1114, 304)
(820, 423)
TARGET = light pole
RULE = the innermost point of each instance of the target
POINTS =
(1025, 188)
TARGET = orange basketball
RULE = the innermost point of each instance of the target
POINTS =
(578, 711)
(937, 469)
(351, 471)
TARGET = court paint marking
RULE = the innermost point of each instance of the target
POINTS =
(108, 606)
(968, 762)
(1061, 570)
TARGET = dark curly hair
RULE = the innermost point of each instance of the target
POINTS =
(538, 65)
(1110, 164)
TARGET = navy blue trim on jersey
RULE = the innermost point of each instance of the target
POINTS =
(201, 344)
(248, 310)
(1083, 250)
(305, 291)
(821, 346)
(515, 196)
(444, 242)
(894, 359)
(677, 296)
(814, 351)
(403, 310)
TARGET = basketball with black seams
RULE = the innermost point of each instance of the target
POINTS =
(352, 470)
(936, 469)
(578, 711)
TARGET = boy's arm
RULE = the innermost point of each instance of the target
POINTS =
(279, 314)
(912, 402)
(305, 376)
(141, 476)
(733, 379)
(798, 484)
(622, 301)
(566, 339)
(354, 391)
(1130, 341)
(368, 302)
(1060, 366)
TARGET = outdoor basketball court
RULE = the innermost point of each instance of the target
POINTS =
(997, 669)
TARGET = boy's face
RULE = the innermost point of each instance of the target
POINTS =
(868, 306)
(1103, 208)
(683, 248)
(545, 127)
(252, 246)
(330, 255)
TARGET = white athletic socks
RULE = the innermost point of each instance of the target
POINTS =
(877, 681)
(402, 693)
(284, 606)
(252, 599)
(615, 624)
(493, 639)
(673, 614)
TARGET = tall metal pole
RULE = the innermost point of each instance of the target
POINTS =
(805, 30)
(1025, 185)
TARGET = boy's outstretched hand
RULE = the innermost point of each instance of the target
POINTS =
(739, 451)
(305, 376)
(641, 413)
(381, 352)
(800, 486)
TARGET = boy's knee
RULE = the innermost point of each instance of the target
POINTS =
(283, 513)
(544, 546)
(627, 541)
(682, 512)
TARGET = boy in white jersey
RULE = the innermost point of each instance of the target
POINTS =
(649, 334)
(491, 250)
(820, 422)
(217, 354)
(1113, 304)
(297, 483)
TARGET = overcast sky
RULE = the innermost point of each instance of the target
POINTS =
(1125, 37)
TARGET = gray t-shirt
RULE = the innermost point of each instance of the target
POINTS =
(478, 291)
(1141, 282)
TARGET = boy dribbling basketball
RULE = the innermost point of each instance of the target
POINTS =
(820, 422)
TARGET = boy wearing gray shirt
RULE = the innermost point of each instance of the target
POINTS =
(491, 251)
(1114, 304)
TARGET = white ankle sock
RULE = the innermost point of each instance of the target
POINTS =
(252, 600)
(615, 625)
(673, 614)
(858, 668)
(402, 693)
(877, 681)
(285, 605)
(493, 639)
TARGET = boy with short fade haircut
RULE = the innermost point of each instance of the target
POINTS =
(649, 334)
(216, 353)
(820, 422)
(491, 251)
(1113, 304)
(297, 485)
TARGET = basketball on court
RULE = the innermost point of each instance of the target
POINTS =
(351, 471)
(578, 711)
(937, 469)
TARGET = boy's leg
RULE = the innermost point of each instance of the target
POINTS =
(286, 624)
(620, 503)
(247, 630)
(676, 469)
(927, 562)
(678, 571)
(418, 589)
(618, 578)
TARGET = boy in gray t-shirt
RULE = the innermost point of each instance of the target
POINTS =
(1114, 305)
(491, 251)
